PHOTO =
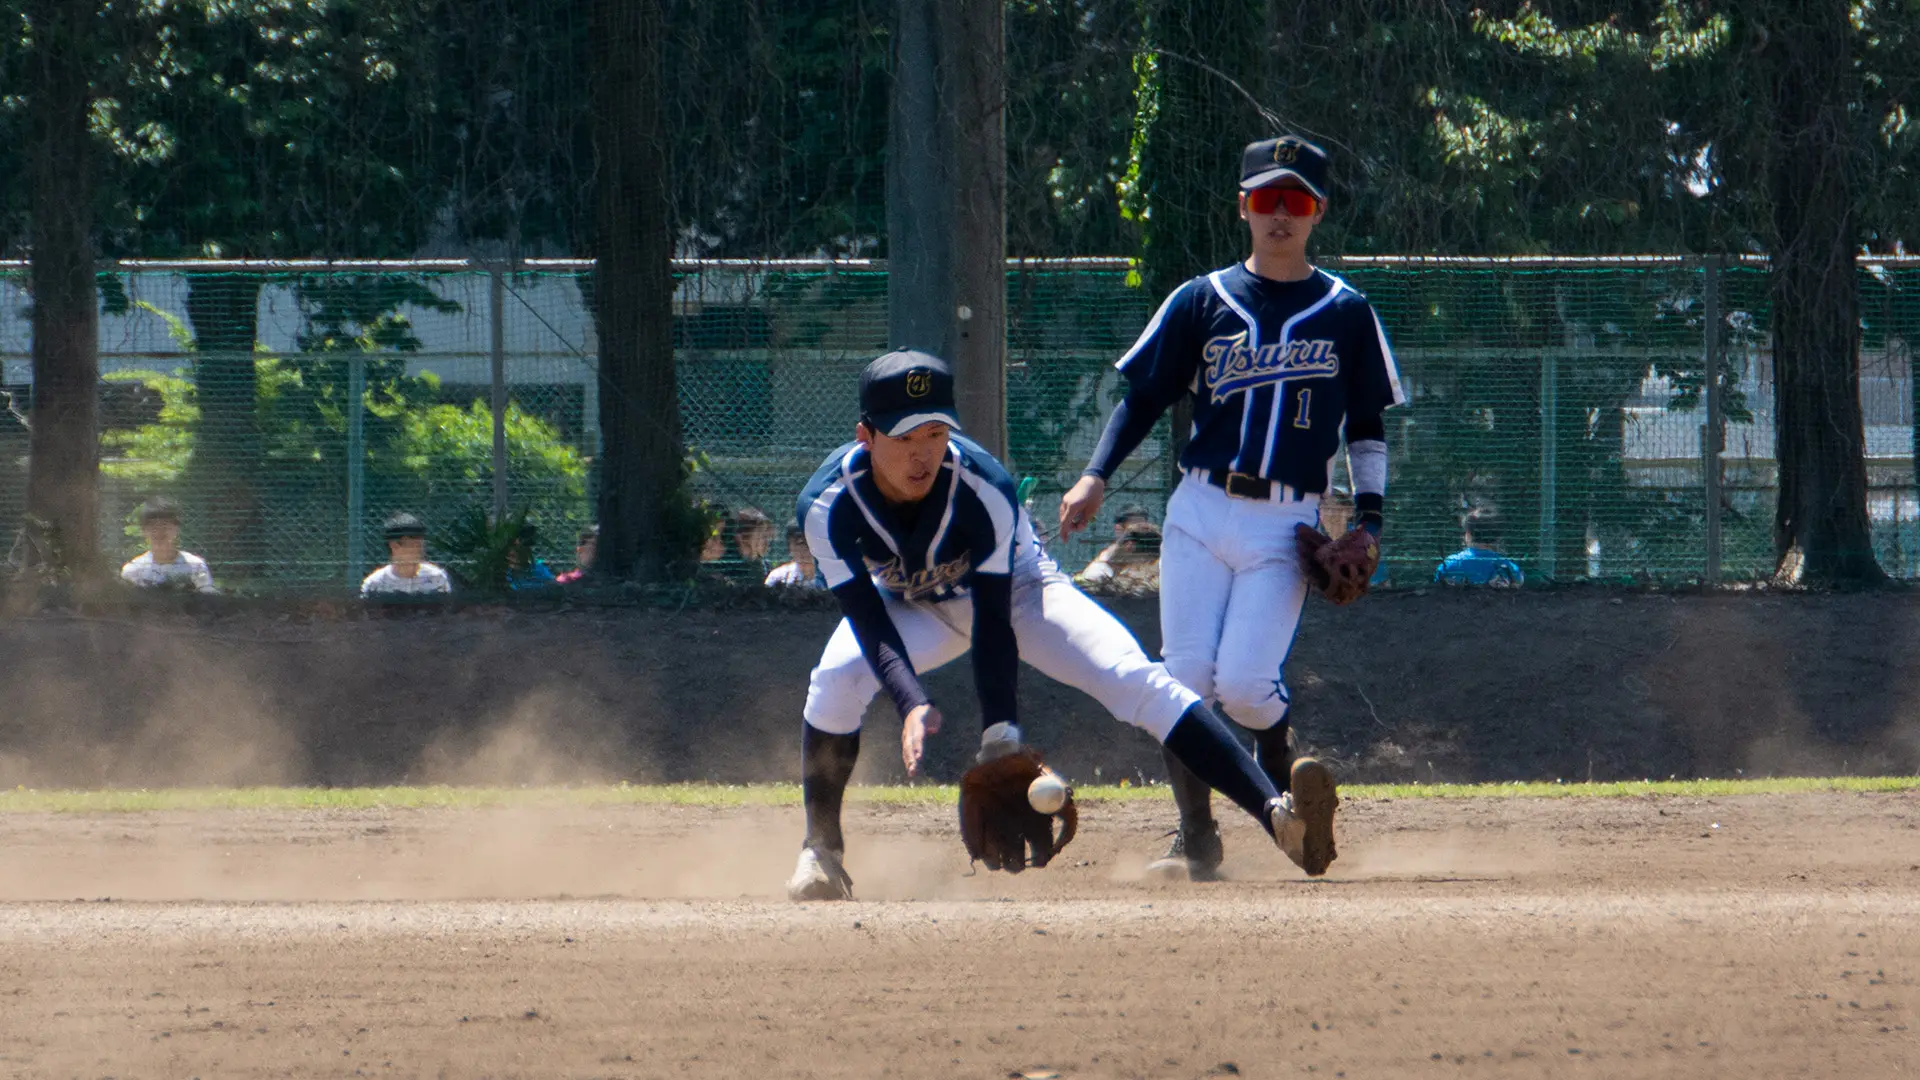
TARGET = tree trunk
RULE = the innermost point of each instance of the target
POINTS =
(223, 504)
(946, 201)
(63, 479)
(644, 517)
(1821, 528)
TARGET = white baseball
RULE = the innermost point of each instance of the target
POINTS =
(1047, 793)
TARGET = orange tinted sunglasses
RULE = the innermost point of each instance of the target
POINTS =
(1297, 201)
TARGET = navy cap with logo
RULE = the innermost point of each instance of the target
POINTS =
(903, 390)
(1270, 160)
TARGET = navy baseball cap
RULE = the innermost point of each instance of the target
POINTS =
(1270, 160)
(905, 389)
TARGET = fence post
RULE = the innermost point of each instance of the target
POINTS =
(356, 466)
(1713, 439)
(498, 315)
(1549, 460)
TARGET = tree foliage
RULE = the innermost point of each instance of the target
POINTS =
(431, 457)
(262, 128)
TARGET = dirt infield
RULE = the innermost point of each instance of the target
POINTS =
(1652, 937)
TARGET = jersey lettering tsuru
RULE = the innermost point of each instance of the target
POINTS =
(1275, 369)
(970, 522)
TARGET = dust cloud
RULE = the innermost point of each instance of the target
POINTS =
(191, 721)
(523, 853)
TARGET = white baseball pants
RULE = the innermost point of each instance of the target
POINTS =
(1061, 631)
(1231, 591)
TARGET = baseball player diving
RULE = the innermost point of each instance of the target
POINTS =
(918, 533)
(1283, 361)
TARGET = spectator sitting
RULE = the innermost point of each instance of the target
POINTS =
(524, 571)
(801, 572)
(738, 545)
(1132, 561)
(583, 552)
(1480, 561)
(163, 563)
(753, 538)
(715, 547)
(409, 573)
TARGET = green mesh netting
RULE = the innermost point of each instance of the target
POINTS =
(1558, 402)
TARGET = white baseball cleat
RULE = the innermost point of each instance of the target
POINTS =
(1289, 832)
(819, 876)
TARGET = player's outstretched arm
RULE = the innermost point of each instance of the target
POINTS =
(1127, 428)
(996, 649)
(1158, 368)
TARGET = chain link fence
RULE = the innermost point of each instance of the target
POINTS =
(1566, 404)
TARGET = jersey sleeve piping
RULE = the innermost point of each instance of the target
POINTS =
(1153, 327)
(1004, 517)
(819, 528)
(1386, 356)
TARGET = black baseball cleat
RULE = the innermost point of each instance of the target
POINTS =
(819, 876)
(1194, 855)
(1302, 819)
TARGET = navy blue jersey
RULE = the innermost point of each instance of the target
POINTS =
(1276, 370)
(966, 524)
(959, 540)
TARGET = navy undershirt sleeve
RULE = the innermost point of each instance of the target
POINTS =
(1362, 426)
(880, 641)
(996, 651)
(1127, 428)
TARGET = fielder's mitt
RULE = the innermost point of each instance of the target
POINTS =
(998, 825)
(1341, 569)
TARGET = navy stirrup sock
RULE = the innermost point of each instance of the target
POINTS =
(826, 764)
(1203, 744)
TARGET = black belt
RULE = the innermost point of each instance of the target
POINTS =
(1241, 485)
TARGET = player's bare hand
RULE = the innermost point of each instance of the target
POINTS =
(923, 721)
(1080, 503)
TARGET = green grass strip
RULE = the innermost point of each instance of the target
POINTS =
(436, 797)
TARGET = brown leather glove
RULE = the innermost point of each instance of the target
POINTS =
(1340, 569)
(998, 825)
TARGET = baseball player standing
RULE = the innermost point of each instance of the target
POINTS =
(1283, 359)
(921, 537)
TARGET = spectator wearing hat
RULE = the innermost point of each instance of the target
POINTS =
(409, 574)
(584, 549)
(163, 564)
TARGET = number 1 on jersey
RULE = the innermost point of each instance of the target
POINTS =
(1302, 417)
